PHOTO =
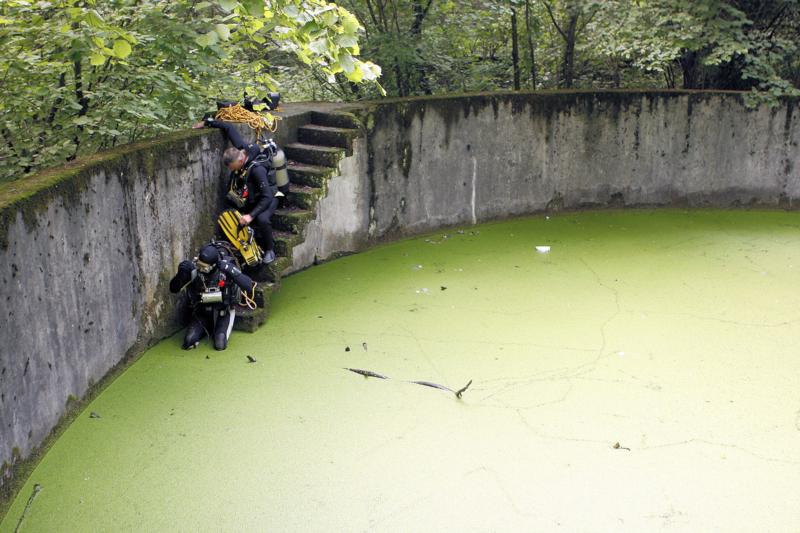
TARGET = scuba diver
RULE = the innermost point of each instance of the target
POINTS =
(257, 183)
(213, 284)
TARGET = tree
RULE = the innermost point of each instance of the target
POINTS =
(82, 75)
(714, 44)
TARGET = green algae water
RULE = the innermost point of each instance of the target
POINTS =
(644, 374)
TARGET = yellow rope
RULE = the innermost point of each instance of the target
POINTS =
(249, 300)
(256, 121)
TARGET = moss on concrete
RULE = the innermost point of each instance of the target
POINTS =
(31, 195)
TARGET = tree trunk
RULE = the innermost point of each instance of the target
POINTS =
(82, 100)
(531, 47)
(514, 48)
(420, 68)
(689, 66)
(569, 52)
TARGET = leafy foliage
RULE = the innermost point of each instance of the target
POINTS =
(81, 75)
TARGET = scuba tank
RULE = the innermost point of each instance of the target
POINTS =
(271, 153)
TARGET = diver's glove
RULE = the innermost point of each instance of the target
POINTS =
(186, 273)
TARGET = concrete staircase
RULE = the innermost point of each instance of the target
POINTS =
(312, 161)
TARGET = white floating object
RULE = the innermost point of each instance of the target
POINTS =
(542, 249)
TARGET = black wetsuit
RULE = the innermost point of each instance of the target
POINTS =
(253, 180)
(216, 316)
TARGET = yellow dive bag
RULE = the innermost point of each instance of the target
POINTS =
(241, 237)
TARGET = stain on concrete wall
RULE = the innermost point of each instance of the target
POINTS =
(434, 161)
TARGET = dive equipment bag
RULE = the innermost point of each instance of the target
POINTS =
(241, 237)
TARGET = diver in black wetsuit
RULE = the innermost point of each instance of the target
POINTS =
(250, 188)
(213, 284)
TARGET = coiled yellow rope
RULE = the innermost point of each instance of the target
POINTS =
(249, 300)
(257, 121)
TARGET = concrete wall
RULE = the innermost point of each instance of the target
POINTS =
(430, 162)
(88, 261)
(88, 251)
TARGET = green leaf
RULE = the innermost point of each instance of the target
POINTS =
(329, 18)
(97, 59)
(223, 31)
(347, 41)
(227, 5)
(356, 75)
(122, 48)
(94, 19)
(350, 24)
(207, 39)
(320, 46)
(346, 62)
(254, 7)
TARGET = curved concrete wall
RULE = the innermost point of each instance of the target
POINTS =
(430, 162)
(87, 271)
(89, 252)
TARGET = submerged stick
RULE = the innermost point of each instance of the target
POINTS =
(434, 385)
(442, 387)
(371, 374)
(36, 489)
(367, 373)
(461, 390)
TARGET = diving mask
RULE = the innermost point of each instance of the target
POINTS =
(204, 267)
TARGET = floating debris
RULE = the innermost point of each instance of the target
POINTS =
(443, 288)
(364, 345)
(462, 389)
(416, 268)
(251, 359)
(208, 357)
(618, 447)
(442, 387)
(423, 290)
(36, 490)
(94, 415)
(367, 373)
(543, 249)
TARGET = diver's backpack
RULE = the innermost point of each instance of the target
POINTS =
(242, 238)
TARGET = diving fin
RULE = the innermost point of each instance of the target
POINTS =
(241, 237)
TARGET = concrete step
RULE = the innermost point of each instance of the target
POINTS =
(328, 156)
(310, 175)
(270, 273)
(328, 136)
(292, 220)
(336, 119)
(303, 196)
(285, 241)
(250, 319)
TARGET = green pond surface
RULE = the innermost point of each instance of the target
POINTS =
(644, 375)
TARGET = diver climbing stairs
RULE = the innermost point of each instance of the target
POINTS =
(312, 161)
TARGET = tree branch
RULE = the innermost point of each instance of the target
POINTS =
(550, 12)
